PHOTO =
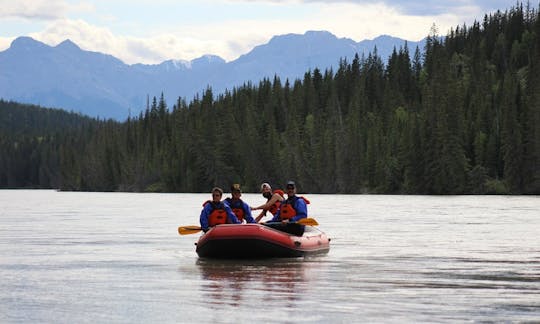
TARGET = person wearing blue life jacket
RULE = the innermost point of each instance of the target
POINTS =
(241, 210)
(293, 208)
(216, 212)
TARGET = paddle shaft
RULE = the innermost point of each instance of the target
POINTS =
(191, 229)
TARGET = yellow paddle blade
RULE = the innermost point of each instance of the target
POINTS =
(308, 221)
(185, 230)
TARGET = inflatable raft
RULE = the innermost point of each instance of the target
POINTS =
(262, 241)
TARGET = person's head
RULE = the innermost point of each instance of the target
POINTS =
(217, 193)
(236, 192)
(266, 190)
(290, 188)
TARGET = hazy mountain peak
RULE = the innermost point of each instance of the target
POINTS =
(25, 42)
(207, 59)
(99, 84)
(203, 61)
(310, 35)
(68, 45)
(320, 34)
(175, 64)
(385, 36)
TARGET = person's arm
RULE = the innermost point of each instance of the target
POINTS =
(204, 217)
(275, 197)
(232, 217)
(261, 215)
(301, 210)
(247, 213)
(276, 217)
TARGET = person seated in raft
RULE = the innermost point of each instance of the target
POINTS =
(293, 208)
(274, 199)
(241, 210)
(216, 212)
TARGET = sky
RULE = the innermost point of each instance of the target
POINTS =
(152, 31)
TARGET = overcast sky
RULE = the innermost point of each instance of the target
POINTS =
(151, 31)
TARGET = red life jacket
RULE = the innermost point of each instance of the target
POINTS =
(218, 215)
(239, 212)
(274, 208)
(237, 208)
(287, 209)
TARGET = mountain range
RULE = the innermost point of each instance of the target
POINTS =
(100, 85)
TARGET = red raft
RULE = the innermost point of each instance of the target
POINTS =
(230, 241)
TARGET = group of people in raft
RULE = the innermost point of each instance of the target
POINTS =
(234, 210)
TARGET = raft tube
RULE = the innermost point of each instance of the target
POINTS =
(234, 241)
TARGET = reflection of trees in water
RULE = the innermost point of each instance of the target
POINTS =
(227, 281)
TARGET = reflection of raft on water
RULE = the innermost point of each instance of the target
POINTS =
(262, 241)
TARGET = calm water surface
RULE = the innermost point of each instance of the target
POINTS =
(117, 258)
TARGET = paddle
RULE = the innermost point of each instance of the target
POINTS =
(185, 230)
(308, 221)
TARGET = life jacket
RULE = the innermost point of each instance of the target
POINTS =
(274, 208)
(287, 208)
(218, 214)
(237, 208)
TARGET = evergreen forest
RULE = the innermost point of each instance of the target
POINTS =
(461, 116)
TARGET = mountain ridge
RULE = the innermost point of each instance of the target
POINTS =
(97, 84)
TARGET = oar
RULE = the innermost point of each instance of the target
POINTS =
(190, 229)
(307, 221)
(301, 221)
(185, 230)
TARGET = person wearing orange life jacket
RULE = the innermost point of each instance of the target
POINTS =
(274, 199)
(293, 208)
(216, 212)
(241, 210)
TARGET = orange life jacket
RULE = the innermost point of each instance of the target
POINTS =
(218, 215)
(274, 208)
(239, 212)
(237, 208)
(287, 209)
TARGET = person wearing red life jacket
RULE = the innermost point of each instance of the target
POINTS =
(274, 199)
(216, 212)
(293, 208)
(241, 210)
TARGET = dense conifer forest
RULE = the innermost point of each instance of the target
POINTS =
(462, 116)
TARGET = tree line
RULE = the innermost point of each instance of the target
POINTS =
(460, 117)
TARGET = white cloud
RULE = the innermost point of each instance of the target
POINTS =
(239, 36)
(5, 42)
(188, 43)
(39, 9)
(228, 38)
(86, 36)
(409, 7)
(358, 23)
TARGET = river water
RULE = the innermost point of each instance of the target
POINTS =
(71, 257)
